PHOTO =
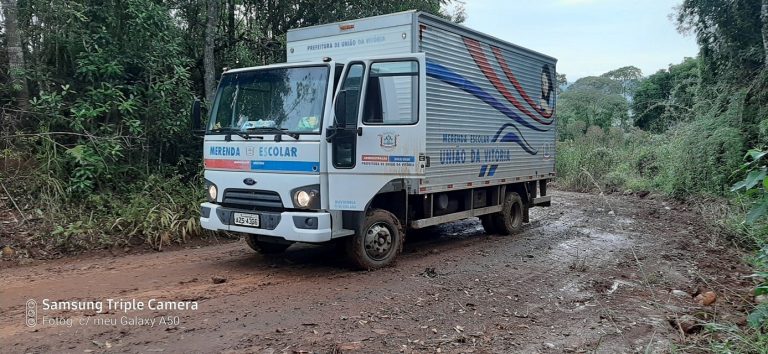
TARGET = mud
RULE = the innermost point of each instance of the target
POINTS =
(589, 274)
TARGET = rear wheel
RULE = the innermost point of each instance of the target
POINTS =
(509, 220)
(377, 242)
(265, 247)
(512, 214)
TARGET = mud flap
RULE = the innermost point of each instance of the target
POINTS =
(526, 215)
(542, 201)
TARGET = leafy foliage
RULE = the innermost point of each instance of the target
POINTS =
(105, 139)
(728, 33)
(117, 84)
(595, 101)
(666, 97)
(755, 183)
(628, 77)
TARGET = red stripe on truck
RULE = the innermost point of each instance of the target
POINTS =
(239, 165)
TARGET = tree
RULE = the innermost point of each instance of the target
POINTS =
(730, 36)
(112, 77)
(252, 32)
(628, 77)
(597, 83)
(594, 100)
(666, 97)
(111, 83)
(764, 18)
(15, 53)
(209, 61)
(454, 11)
(116, 77)
(562, 82)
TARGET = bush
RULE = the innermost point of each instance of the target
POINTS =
(157, 210)
(696, 158)
(700, 158)
(583, 161)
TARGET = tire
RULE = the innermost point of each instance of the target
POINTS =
(492, 223)
(377, 242)
(265, 247)
(512, 214)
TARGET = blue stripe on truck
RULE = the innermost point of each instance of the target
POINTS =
(515, 136)
(393, 158)
(446, 75)
(291, 166)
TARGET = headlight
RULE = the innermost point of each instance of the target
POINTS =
(306, 197)
(303, 199)
(212, 192)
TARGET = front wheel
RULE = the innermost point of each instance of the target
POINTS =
(265, 247)
(377, 242)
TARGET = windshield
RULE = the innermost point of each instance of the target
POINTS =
(289, 99)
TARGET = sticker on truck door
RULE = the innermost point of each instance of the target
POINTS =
(388, 160)
(388, 140)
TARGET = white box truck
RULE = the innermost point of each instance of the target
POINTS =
(375, 127)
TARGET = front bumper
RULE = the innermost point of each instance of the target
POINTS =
(288, 225)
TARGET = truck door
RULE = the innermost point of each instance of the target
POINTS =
(379, 129)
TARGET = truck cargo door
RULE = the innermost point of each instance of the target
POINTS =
(379, 129)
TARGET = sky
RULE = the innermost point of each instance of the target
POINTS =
(588, 37)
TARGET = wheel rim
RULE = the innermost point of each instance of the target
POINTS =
(378, 241)
(517, 213)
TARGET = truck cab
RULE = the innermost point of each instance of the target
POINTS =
(290, 147)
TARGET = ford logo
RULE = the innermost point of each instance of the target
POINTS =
(249, 181)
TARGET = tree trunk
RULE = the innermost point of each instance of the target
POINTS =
(764, 18)
(15, 53)
(231, 21)
(209, 63)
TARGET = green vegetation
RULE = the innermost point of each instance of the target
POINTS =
(95, 141)
(686, 134)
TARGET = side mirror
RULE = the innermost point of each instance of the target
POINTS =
(195, 115)
(340, 110)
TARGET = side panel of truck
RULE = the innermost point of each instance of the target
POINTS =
(490, 109)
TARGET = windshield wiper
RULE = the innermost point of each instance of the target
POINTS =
(231, 131)
(279, 132)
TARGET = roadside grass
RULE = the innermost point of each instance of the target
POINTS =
(696, 159)
(732, 339)
(157, 211)
(692, 162)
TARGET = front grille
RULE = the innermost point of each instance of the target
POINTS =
(252, 199)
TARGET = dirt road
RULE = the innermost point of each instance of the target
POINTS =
(588, 274)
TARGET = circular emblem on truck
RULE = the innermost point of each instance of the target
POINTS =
(249, 181)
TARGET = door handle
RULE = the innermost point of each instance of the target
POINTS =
(359, 131)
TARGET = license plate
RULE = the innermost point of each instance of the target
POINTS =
(244, 219)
